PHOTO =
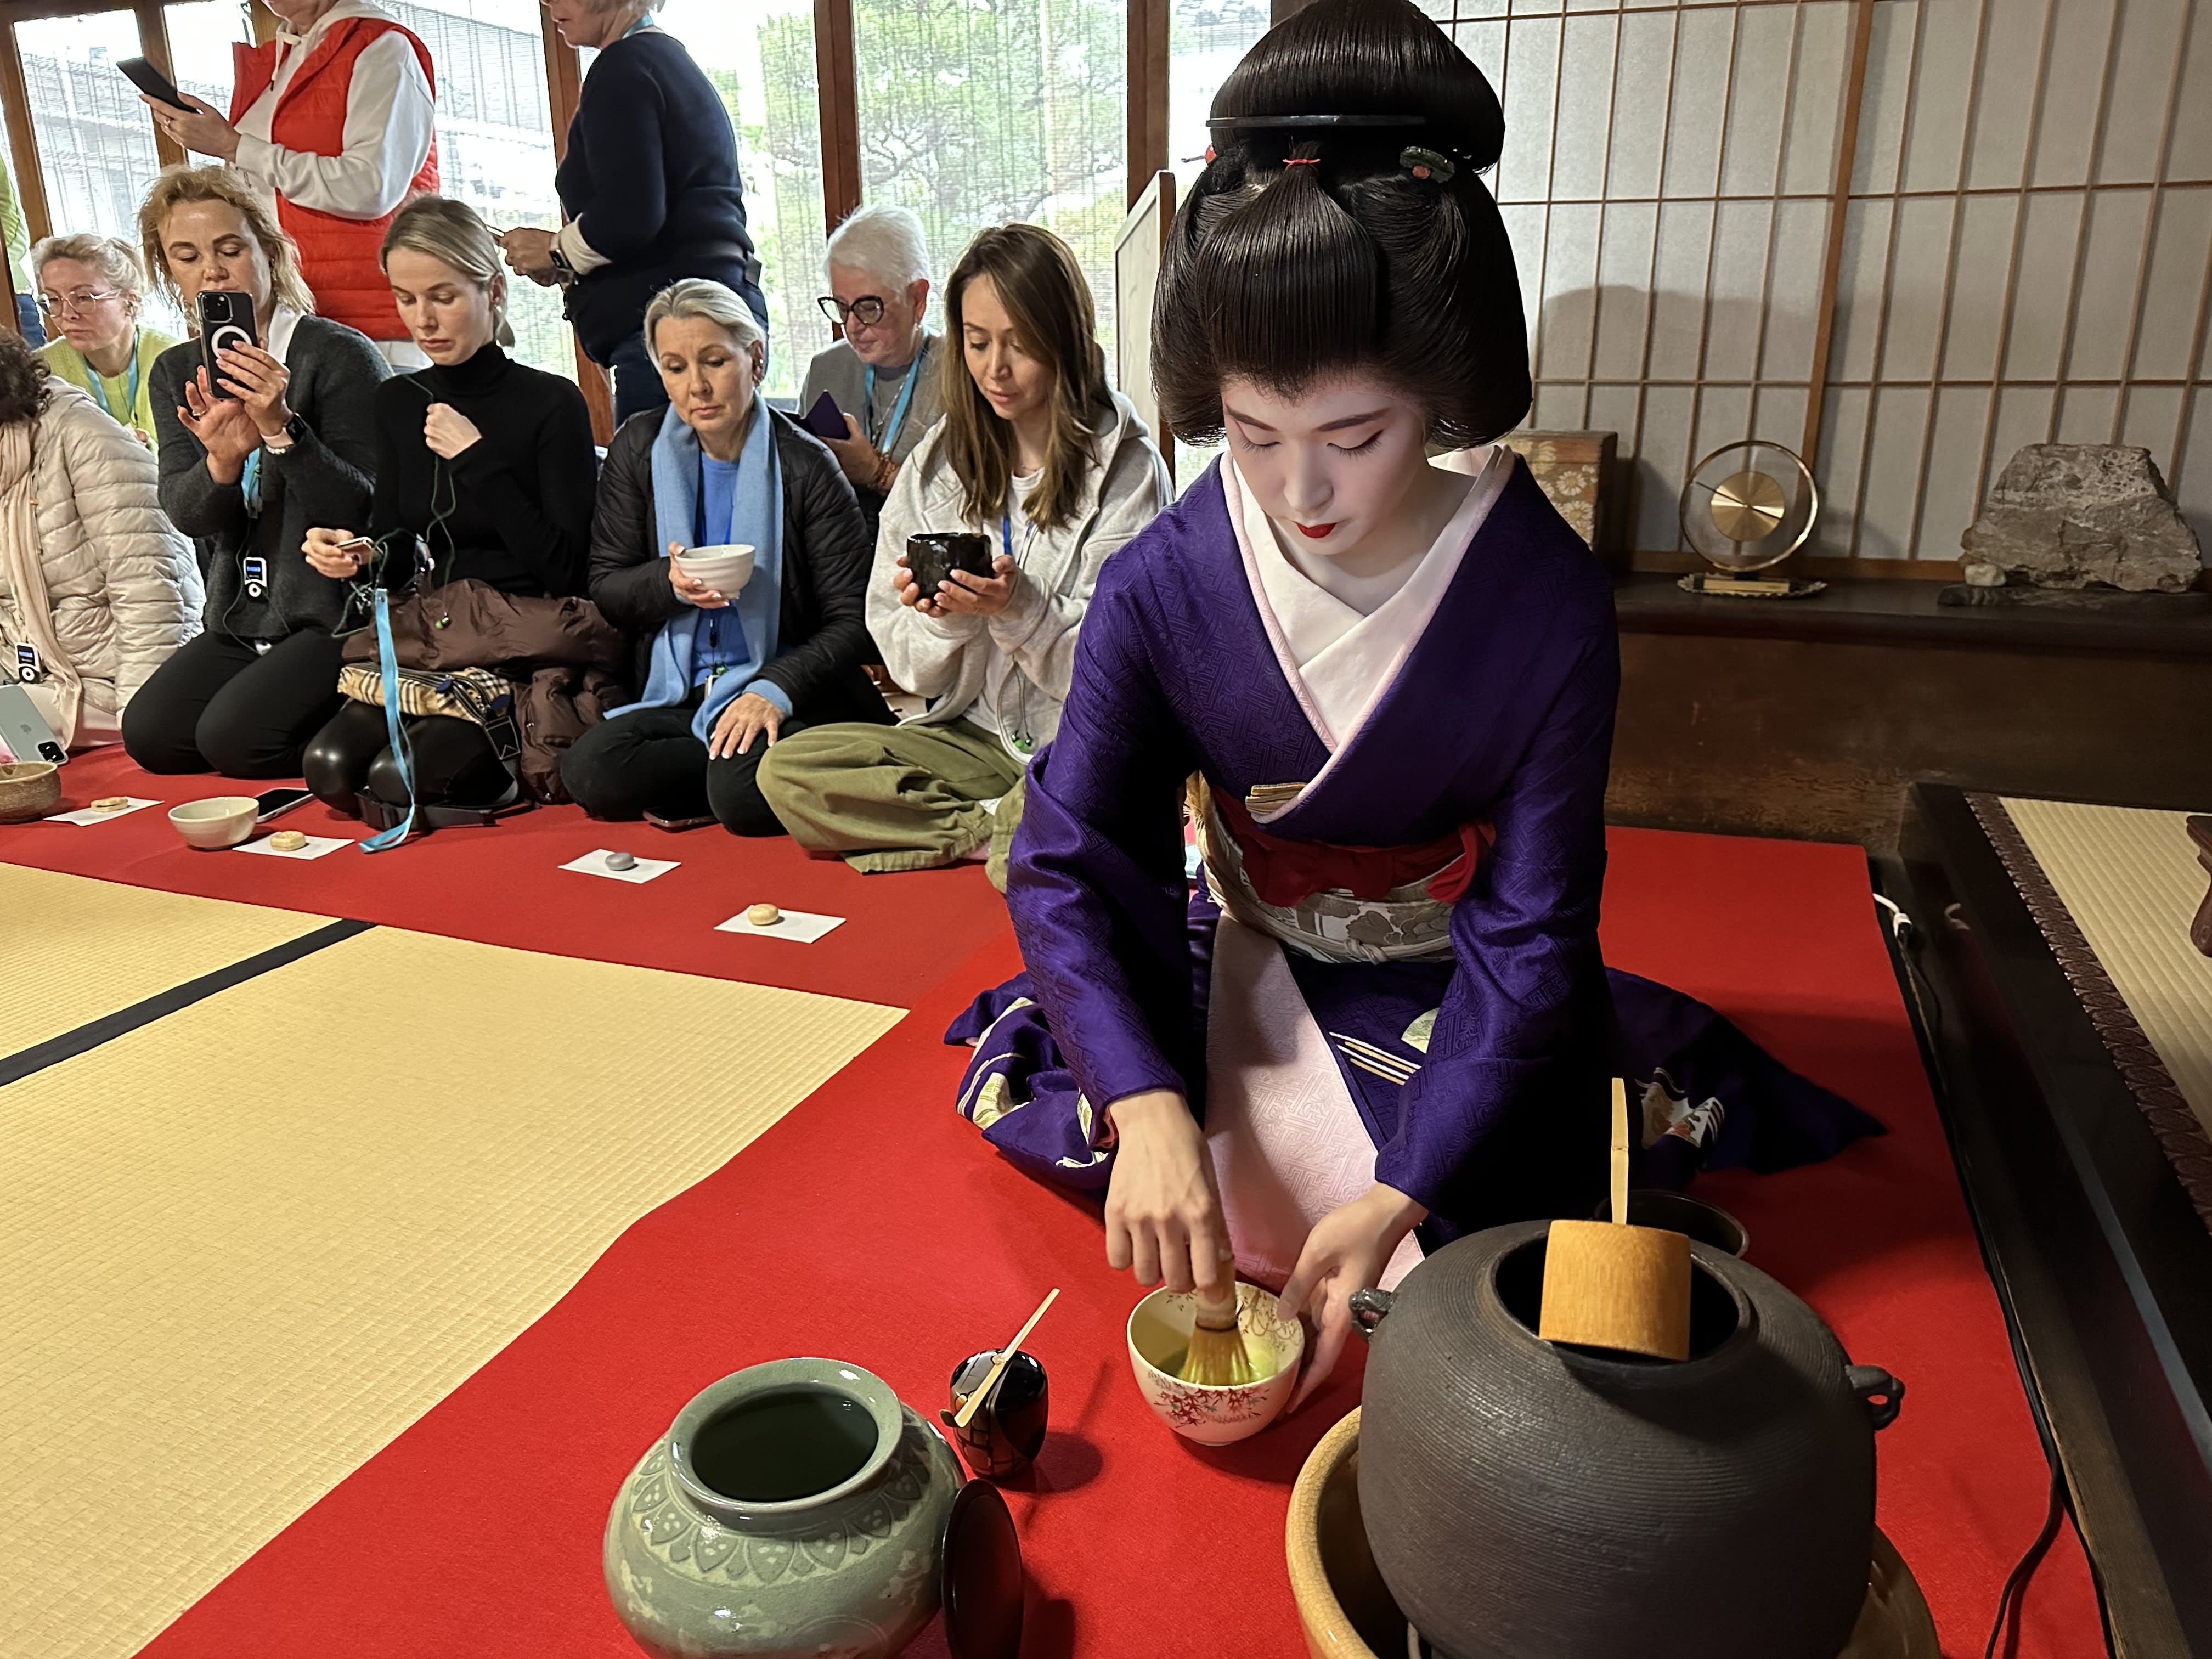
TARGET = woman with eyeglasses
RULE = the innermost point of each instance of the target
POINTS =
(880, 373)
(90, 290)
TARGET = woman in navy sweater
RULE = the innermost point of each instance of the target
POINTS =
(650, 188)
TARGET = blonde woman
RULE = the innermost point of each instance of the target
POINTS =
(246, 474)
(486, 462)
(90, 290)
(96, 589)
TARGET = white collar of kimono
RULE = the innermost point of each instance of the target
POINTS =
(1337, 662)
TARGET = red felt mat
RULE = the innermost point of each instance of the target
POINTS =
(504, 885)
(872, 1224)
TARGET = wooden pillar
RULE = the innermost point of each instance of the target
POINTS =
(30, 182)
(836, 76)
(1148, 24)
(154, 47)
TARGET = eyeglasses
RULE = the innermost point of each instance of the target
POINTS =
(867, 311)
(77, 303)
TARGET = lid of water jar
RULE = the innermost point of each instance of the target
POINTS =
(982, 1576)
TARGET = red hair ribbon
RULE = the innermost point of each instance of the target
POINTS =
(1302, 162)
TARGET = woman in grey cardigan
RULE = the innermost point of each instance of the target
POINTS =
(1057, 471)
(245, 475)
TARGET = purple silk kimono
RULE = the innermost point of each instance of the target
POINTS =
(1501, 711)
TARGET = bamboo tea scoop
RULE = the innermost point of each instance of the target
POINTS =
(998, 1366)
(1607, 1284)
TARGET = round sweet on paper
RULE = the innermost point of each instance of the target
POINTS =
(111, 803)
(619, 860)
(287, 840)
(764, 915)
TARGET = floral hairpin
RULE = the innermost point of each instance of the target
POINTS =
(1427, 164)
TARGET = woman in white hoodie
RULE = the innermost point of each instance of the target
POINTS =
(1056, 470)
(96, 586)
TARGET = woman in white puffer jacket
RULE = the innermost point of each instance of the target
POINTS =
(96, 586)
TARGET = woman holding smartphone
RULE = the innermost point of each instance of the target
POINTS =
(1056, 470)
(277, 438)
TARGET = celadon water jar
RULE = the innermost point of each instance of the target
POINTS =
(794, 1507)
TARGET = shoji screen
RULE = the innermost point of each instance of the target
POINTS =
(2025, 258)
(1667, 179)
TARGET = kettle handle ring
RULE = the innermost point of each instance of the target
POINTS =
(1369, 1307)
(1883, 1395)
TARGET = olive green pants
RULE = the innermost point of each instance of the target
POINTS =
(898, 797)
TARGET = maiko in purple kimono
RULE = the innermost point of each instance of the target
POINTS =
(1475, 1036)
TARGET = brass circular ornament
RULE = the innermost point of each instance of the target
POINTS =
(1747, 507)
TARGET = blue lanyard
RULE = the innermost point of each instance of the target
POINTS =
(898, 409)
(1006, 535)
(644, 22)
(130, 398)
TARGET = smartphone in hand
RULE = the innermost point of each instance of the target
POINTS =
(226, 320)
(825, 419)
(151, 81)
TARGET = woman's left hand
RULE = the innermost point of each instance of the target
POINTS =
(447, 431)
(748, 718)
(259, 380)
(1347, 1251)
(967, 595)
(200, 128)
(530, 254)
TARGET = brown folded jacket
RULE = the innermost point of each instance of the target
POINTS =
(559, 654)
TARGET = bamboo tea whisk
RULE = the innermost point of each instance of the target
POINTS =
(1218, 1357)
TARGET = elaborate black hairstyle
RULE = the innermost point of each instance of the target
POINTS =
(1339, 224)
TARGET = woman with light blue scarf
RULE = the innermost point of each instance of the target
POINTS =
(723, 675)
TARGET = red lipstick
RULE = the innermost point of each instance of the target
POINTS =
(1314, 532)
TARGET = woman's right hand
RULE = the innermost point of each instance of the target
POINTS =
(1163, 1212)
(224, 428)
(690, 589)
(324, 550)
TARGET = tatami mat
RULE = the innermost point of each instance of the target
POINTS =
(79, 950)
(2130, 880)
(245, 1245)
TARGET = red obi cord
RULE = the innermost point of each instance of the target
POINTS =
(1286, 873)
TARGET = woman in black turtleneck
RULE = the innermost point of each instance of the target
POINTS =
(483, 462)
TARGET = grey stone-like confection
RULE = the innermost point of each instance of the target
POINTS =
(2068, 515)
(622, 860)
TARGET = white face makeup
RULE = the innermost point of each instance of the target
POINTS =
(1337, 467)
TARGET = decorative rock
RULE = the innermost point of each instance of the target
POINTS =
(764, 915)
(619, 860)
(287, 840)
(2067, 515)
(1979, 575)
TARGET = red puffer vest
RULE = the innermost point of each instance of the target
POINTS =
(339, 257)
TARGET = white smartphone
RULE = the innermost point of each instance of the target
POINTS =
(24, 731)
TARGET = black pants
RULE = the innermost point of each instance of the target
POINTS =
(220, 706)
(454, 762)
(649, 761)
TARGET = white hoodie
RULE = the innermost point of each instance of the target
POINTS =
(1018, 663)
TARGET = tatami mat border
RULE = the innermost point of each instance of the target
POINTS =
(24, 1061)
(2132, 1055)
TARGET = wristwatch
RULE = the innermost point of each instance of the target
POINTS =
(294, 429)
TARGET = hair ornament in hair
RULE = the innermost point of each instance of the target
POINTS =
(1302, 162)
(1430, 167)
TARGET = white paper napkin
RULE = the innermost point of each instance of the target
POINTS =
(88, 815)
(594, 863)
(318, 847)
(797, 926)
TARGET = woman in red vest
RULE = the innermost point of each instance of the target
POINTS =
(333, 118)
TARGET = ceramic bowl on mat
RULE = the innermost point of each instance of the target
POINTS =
(1159, 1336)
(219, 822)
(29, 789)
(725, 569)
(1347, 1612)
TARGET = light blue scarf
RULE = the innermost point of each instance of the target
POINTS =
(755, 518)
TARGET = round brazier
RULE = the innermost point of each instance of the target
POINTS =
(795, 1508)
(1527, 1500)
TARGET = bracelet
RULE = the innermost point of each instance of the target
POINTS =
(886, 475)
